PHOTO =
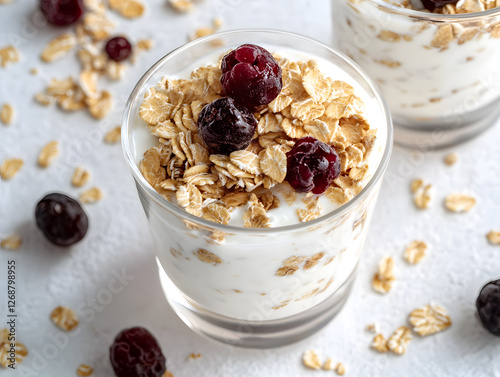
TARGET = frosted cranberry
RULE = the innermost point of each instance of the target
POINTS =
(61, 219)
(226, 126)
(433, 4)
(118, 49)
(136, 353)
(62, 12)
(488, 307)
(251, 76)
(312, 165)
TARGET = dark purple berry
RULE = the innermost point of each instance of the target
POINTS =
(62, 12)
(118, 49)
(312, 165)
(488, 307)
(431, 5)
(61, 219)
(226, 126)
(251, 76)
(136, 353)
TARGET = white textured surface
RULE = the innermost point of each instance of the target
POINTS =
(459, 262)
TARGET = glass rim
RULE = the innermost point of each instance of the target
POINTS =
(437, 17)
(231, 229)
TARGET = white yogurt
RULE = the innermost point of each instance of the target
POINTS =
(245, 285)
(421, 82)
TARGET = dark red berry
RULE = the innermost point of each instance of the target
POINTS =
(136, 353)
(226, 126)
(488, 307)
(61, 219)
(312, 165)
(251, 76)
(62, 12)
(433, 4)
(118, 49)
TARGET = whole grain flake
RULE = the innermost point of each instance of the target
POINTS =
(415, 252)
(91, 196)
(80, 177)
(113, 136)
(341, 369)
(494, 237)
(379, 343)
(10, 167)
(84, 370)
(429, 319)
(7, 114)
(12, 242)
(384, 278)
(398, 342)
(311, 360)
(9, 55)
(459, 203)
(64, 318)
(48, 154)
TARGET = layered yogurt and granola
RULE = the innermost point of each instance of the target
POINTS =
(294, 147)
(435, 60)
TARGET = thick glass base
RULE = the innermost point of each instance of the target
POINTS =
(254, 334)
(437, 134)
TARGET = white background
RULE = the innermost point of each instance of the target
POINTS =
(459, 263)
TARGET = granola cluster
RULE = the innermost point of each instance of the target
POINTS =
(211, 186)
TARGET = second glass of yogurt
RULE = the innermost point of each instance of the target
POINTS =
(242, 257)
(437, 68)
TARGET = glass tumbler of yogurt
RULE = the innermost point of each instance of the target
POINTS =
(250, 285)
(438, 70)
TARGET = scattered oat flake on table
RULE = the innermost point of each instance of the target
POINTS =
(127, 8)
(194, 356)
(429, 319)
(379, 343)
(398, 342)
(415, 252)
(100, 107)
(372, 327)
(59, 47)
(48, 154)
(494, 237)
(384, 278)
(64, 318)
(8, 55)
(84, 370)
(311, 359)
(416, 185)
(145, 44)
(7, 114)
(203, 32)
(80, 177)
(328, 364)
(5, 353)
(34, 71)
(181, 6)
(113, 136)
(12, 242)
(423, 197)
(44, 99)
(10, 168)
(451, 159)
(91, 196)
(459, 202)
(341, 370)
